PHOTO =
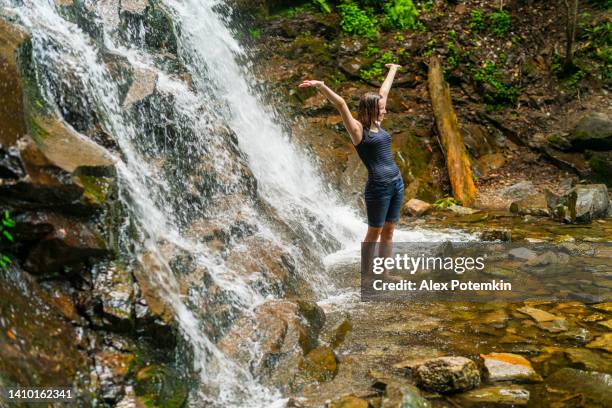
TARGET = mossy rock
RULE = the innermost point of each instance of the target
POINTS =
(159, 31)
(319, 365)
(601, 166)
(161, 386)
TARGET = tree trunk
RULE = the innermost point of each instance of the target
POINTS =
(457, 160)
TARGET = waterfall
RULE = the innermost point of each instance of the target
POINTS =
(181, 170)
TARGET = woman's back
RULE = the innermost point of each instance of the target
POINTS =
(375, 152)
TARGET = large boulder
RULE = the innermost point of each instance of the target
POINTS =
(580, 205)
(535, 204)
(593, 132)
(447, 374)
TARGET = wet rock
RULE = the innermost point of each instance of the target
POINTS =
(554, 326)
(134, 6)
(319, 364)
(496, 235)
(11, 115)
(403, 395)
(415, 207)
(535, 205)
(522, 253)
(593, 131)
(69, 243)
(151, 27)
(10, 164)
(111, 369)
(161, 386)
(581, 205)
(284, 336)
(595, 388)
(603, 342)
(498, 395)
(588, 360)
(549, 258)
(601, 166)
(538, 315)
(509, 367)
(114, 290)
(519, 190)
(348, 401)
(604, 307)
(152, 304)
(447, 374)
(460, 210)
(38, 343)
(143, 85)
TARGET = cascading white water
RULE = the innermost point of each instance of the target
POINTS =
(222, 94)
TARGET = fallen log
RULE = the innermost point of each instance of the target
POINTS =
(457, 160)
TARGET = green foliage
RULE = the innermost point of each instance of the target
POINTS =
(376, 70)
(477, 21)
(500, 22)
(356, 21)
(5, 224)
(370, 51)
(401, 14)
(431, 44)
(445, 202)
(322, 5)
(499, 92)
(255, 33)
(426, 5)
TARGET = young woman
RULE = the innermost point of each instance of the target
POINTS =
(384, 190)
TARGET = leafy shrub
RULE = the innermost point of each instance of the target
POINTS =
(500, 22)
(401, 14)
(5, 224)
(376, 70)
(356, 21)
(477, 21)
(370, 51)
(501, 93)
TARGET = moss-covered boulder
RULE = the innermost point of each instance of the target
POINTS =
(593, 131)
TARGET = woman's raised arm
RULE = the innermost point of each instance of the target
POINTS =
(352, 125)
(386, 85)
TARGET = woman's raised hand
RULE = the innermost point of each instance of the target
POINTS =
(310, 83)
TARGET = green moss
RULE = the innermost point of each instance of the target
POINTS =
(96, 189)
(499, 22)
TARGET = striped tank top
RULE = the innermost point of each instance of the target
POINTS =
(375, 152)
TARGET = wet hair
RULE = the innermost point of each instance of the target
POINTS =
(368, 110)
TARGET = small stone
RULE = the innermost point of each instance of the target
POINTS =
(518, 190)
(460, 210)
(604, 307)
(415, 207)
(607, 324)
(522, 253)
(509, 367)
(403, 395)
(320, 364)
(509, 395)
(603, 342)
(538, 315)
(447, 374)
(348, 401)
